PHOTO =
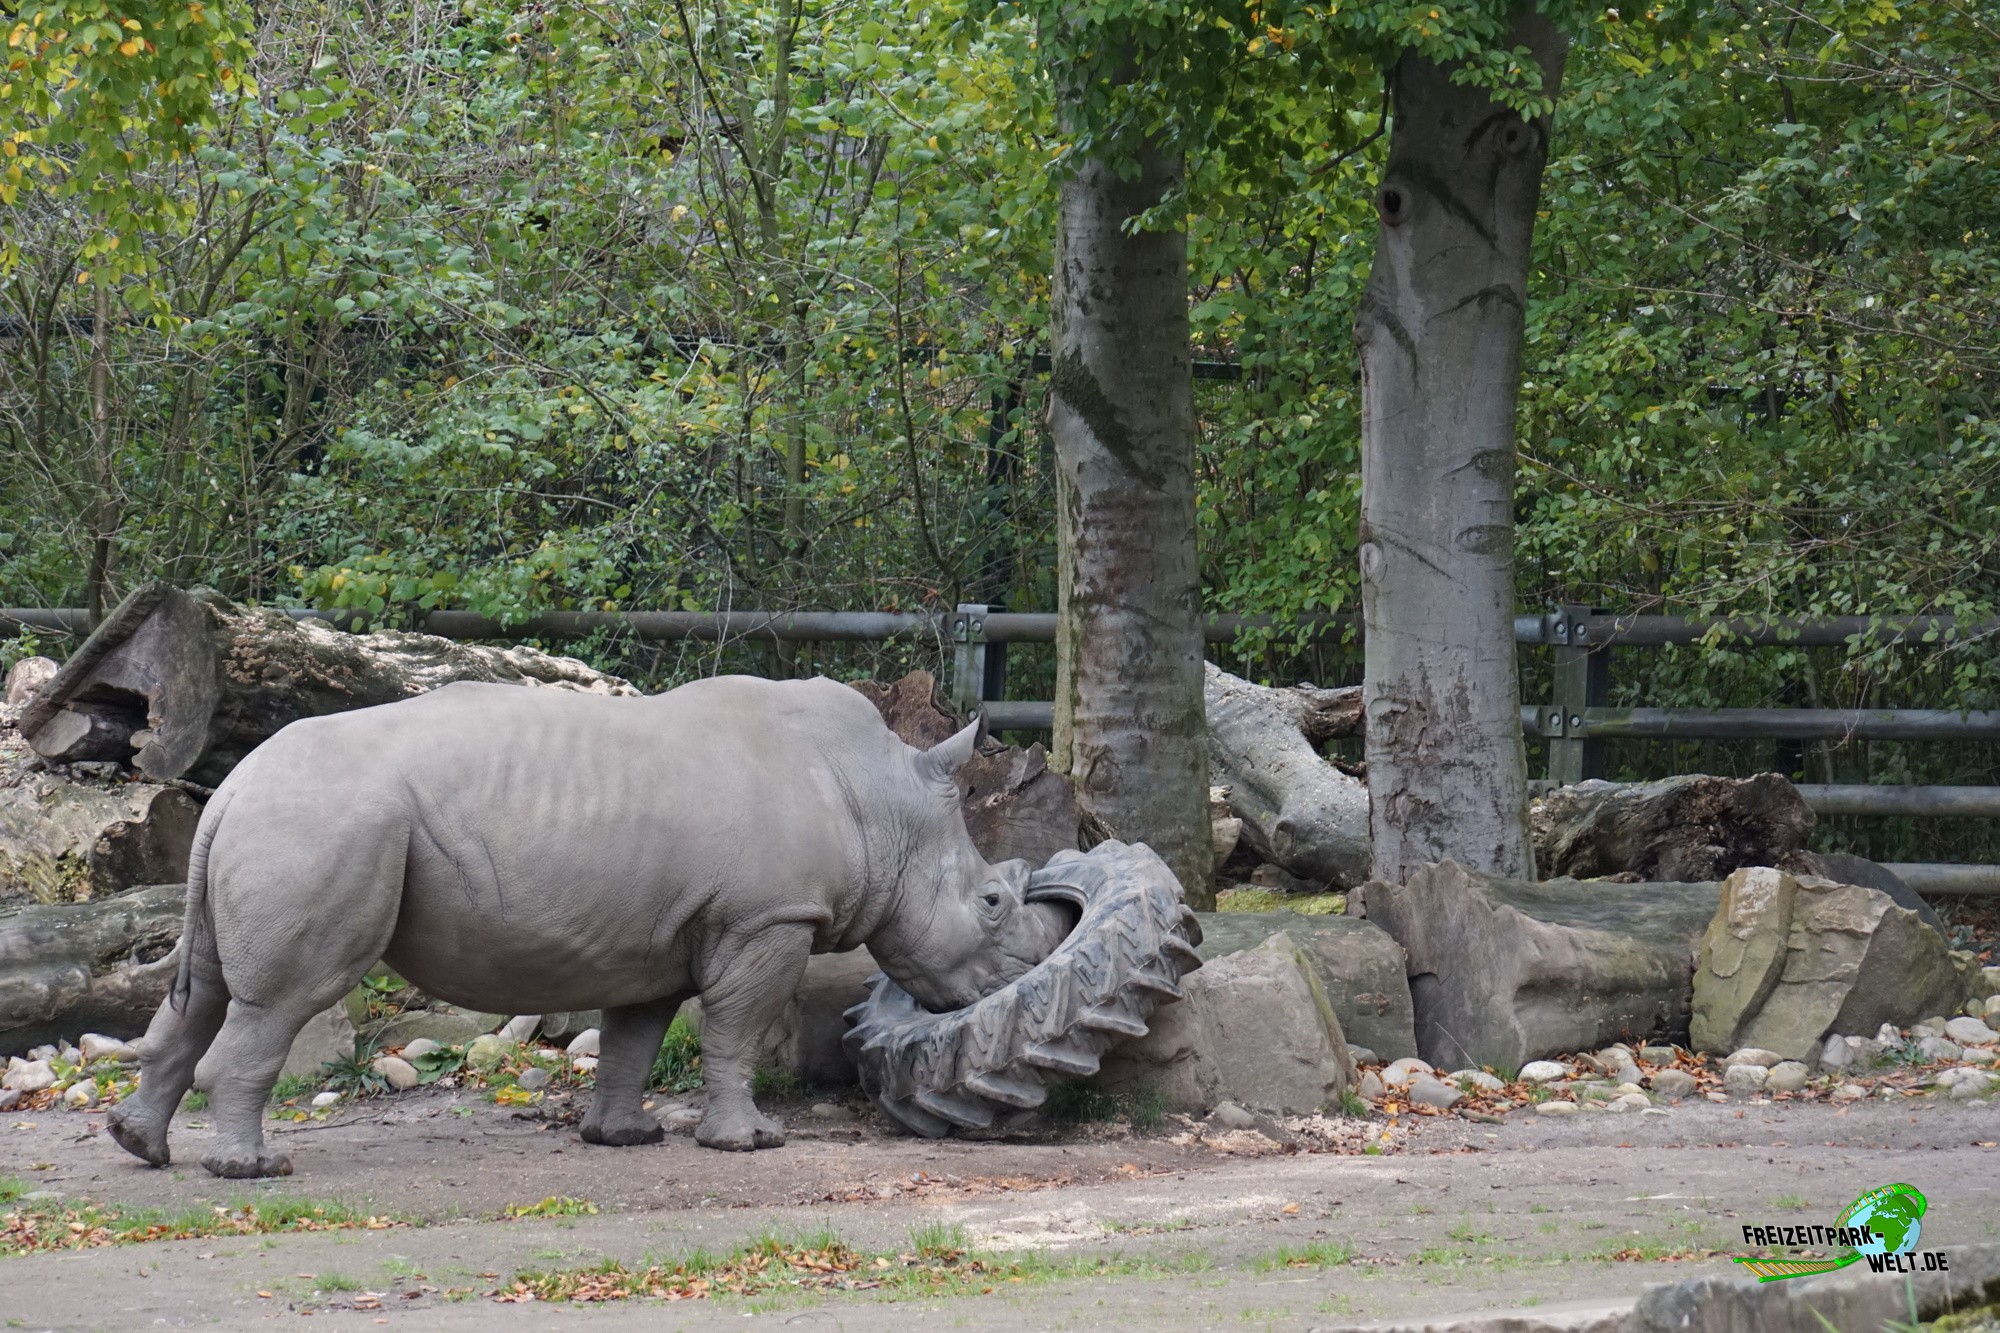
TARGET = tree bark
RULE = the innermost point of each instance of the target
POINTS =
(196, 682)
(1679, 829)
(1439, 331)
(61, 841)
(1129, 727)
(87, 967)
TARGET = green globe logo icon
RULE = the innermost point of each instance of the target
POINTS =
(1894, 1214)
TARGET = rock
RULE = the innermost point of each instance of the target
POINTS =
(1926, 1027)
(45, 1051)
(1659, 1055)
(1503, 972)
(420, 1048)
(26, 676)
(1298, 811)
(485, 1053)
(95, 1046)
(533, 1080)
(1224, 829)
(1228, 1115)
(1673, 1084)
(1846, 868)
(1788, 1076)
(584, 1043)
(28, 1076)
(1849, 1092)
(10, 1098)
(1361, 969)
(1544, 1071)
(1888, 1037)
(520, 1028)
(1978, 1083)
(327, 1038)
(1979, 1055)
(1371, 1086)
(1681, 829)
(832, 1111)
(1788, 960)
(1992, 1005)
(584, 1064)
(80, 1094)
(1853, 1300)
(681, 1120)
(1477, 1078)
(1362, 1054)
(1402, 1071)
(322, 1100)
(1970, 1032)
(1629, 1101)
(1937, 1048)
(1255, 1028)
(1427, 1091)
(440, 1027)
(1837, 1054)
(1745, 1080)
(1555, 1108)
(1752, 1055)
(397, 1072)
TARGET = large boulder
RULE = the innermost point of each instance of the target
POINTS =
(327, 1038)
(1506, 971)
(1361, 970)
(1254, 1028)
(1690, 828)
(1788, 959)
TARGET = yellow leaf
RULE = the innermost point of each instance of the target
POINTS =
(130, 48)
(134, 25)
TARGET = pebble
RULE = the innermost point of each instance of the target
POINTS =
(1788, 1076)
(1751, 1055)
(584, 1043)
(1555, 1108)
(1717, 1096)
(1544, 1071)
(1937, 1048)
(1970, 1032)
(10, 1098)
(584, 1064)
(28, 1076)
(1405, 1069)
(1974, 1008)
(1837, 1053)
(1993, 1006)
(1429, 1092)
(1363, 1056)
(533, 1080)
(1371, 1086)
(1673, 1083)
(1631, 1101)
(682, 1119)
(1979, 1056)
(325, 1099)
(397, 1072)
(41, 1196)
(80, 1094)
(94, 1046)
(519, 1028)
(1478, 1078)
(1971, 1083)
(1627, 1088)
(1659, 1055)
(420, 1048)
(487, 1052)
(44, 1053)
(1228, 1115)
(832, 1111)
(1886, 1035)
(1849, 1092)
(1745, 1079)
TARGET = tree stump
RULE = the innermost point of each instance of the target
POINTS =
(184, 684)
(87, 967)
(1504, 971)
(1298, 811)
(1688, 829)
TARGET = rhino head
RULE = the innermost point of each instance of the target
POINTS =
(961, 927)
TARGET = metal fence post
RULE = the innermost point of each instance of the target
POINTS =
(968, 667)
(1582, 680)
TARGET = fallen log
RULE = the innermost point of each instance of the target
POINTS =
(101, 966)
(1505, 971)
(184, 684)
(66, 841)
(1687, 829)
(1298, 810)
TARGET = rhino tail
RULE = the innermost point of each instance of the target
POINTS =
(195, 930)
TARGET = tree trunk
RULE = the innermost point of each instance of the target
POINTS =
(196, 682)
(1686, 828)
(87, 967)
(1440, 331)
(1298, 811)
(1128, 726)
(62, 841)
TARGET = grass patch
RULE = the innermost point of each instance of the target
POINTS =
(291, 1087)
(677, 1068)
(1466, 1233)
(1317, 1254)
(35, 1228)
(1791, 1201)
(336, 1282)
(1270, 900)
(1069, 1104)
(195, 1101)
(554, 1206)
(774, 1082)
(935, 1239)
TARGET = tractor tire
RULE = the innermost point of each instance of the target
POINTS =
(1133, 942)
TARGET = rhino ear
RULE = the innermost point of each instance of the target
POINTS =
(944, 759)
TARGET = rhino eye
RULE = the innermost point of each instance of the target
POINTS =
(991, 899)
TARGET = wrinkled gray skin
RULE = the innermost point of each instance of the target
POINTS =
(527, 851)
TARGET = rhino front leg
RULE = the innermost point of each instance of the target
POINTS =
(626, 1048)
(750, 988)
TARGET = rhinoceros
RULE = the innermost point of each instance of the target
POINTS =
(525, 851)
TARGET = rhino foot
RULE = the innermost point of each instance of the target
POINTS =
(623, 1135)
(739, 1131)
(248, 1167)
(139, 1134)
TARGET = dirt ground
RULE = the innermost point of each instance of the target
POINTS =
(1460, 1216)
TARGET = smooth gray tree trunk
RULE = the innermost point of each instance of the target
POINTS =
(1129, 725)
(1440, 331)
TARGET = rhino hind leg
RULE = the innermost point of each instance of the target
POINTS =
(175, 1041)
(747, 993)
(628, 1043)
